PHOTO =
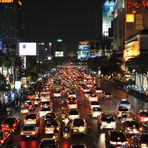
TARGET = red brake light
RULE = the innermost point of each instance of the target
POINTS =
(128, 128)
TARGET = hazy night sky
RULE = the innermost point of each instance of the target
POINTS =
(71, 20)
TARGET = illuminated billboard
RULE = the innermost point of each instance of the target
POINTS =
(59, 53)
(83, 52)
(6, 1)
(27, 49)
(132, 49)
(108, 8)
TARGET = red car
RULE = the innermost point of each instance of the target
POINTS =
(30, 105)
(142, 116)
(10, 124)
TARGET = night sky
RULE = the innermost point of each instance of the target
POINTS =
(71, 20)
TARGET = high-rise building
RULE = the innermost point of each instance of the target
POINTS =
(11, 18)
(130, 17)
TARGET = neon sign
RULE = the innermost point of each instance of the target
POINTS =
(6, 1)
(136, 4)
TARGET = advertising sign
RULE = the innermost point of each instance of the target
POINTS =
(107, 16)
(59, 53)
(27, 49)
(6, 1)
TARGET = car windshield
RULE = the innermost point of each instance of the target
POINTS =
(46, 109)
(29, 128)
(144, 138)
(107, 118)
(122, 108)
(72, 102)
(124, 102)
(51, 116)
(107, 93)
(1, 135)
(118, 136)
(89, 92)
(51, 123)
(144, 114)
(78, 122)
(29, 102)
(78, 146)
(73, 112)
(94, 103)
(45, 103)
(132, 124)
(9, 121)
(97, 109)
(31, 116)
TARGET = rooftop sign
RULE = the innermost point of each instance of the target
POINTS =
(6, 1)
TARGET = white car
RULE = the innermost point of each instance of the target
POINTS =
(122, 111)
(87, 94)
(29, 131)
(44, 111)
(72, 105)
(107, 95)
(94, 104)
(107, 121)
(79, 126)
(57, 94)
(73, 114)
(96, 112)
(93, 97)
(72, 94)
(31, 119)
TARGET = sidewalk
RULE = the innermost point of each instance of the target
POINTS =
(136, 94)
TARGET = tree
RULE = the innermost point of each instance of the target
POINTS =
(139, 66)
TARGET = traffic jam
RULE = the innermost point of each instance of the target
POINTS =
(67, 112)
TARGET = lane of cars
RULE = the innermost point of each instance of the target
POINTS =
(118, 127)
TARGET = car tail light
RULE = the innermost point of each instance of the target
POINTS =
(144, 119)
(128, 128)
(22, 133)
(141, 129)
(1, 141)
(14, 125)
(33, 133)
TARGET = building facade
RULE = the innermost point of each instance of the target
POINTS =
(11, 18)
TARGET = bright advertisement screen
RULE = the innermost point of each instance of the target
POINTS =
(27, 49)
(108, 8)
(59, 53)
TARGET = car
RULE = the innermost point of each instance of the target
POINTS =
(52, 127)
(4, 137)
(30, 130)
(88, 93)
(30, 96)
(96, 112)
(71, 99)
(73, 114)
(24, 109)
(122, 111)
(31, 118)
(93, 97)
(50, 117)
(30, 105)
(72, 94)
(45, 97)
(140, 141)
(36, 101)
(10, 124)
(107, 95)
(132, 127)
(124, 102)
(57, 93)
(115, 138)
(99, 91)
(72, 105)
(44, 111)
(45, 104)
(94, 104)
(107, 121)
(78, 145)
(48, 143)
(79, 126)
(142, 116)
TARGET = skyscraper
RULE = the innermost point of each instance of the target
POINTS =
(11, 28)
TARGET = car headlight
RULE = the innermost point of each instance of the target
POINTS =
(112, 142)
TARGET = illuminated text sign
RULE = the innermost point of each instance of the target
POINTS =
(6, 1)
(136, 4)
